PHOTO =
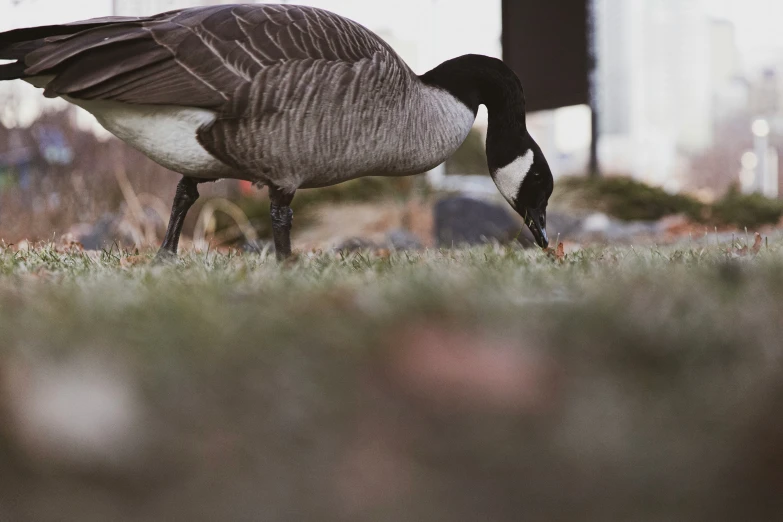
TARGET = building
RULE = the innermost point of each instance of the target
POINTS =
(731, 91)
(655, 86)
(766, 94)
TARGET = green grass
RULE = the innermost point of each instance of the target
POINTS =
(642, 381)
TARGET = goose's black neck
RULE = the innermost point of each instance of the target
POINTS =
(480, 80)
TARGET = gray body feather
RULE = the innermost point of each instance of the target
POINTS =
(291, 96)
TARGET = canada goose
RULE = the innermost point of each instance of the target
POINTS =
(285, 96)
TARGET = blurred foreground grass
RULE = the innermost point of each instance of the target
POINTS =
(486, 384)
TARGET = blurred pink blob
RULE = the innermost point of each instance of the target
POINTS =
(458, 369)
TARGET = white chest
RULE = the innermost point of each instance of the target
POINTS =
(166, 134)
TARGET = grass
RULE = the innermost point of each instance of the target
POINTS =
(493, 383)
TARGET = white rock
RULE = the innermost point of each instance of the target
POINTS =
(596, 223)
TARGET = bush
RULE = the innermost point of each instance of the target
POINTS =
(747, 210)
(631, 200)
(628, 199)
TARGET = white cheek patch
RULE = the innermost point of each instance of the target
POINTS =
(509, 179)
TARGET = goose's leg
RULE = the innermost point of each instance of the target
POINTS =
(187, 194)
(282, 221)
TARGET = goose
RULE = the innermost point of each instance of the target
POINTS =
(284, 96)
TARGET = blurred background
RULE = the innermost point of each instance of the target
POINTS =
(646, 109)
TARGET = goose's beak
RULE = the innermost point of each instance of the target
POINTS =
(535, 220)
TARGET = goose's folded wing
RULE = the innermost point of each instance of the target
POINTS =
(204, 57)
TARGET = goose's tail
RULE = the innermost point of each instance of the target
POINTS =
(12, 71)
(17, 44)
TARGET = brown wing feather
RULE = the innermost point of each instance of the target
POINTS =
(203, 57)
(32, 34)
(56, 51)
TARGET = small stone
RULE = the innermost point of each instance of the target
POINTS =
(259, 246)
(403, 240)
(356, 244)
(98, 236)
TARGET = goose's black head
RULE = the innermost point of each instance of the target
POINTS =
(515, 161)
(527, 183)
